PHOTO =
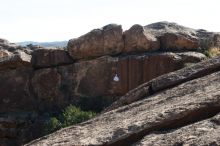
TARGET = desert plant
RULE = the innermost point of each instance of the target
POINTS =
(212, 52)
(51, 125)
(69, 116)
(73, 115)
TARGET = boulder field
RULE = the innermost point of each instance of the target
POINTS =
(35, 80)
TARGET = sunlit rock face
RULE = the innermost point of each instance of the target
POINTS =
(99, 42)
(107, 62)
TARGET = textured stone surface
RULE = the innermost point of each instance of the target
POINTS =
(35, 79)
(15, 91)
(18, 127)
(174, 37)
(139, 39)
(42, 58)
(168, 36)
(182, 105)
(202, 133)
(13, 56)
(166, 81)
(13, 60)
(46, 88)
(80, 78)
(98, 42)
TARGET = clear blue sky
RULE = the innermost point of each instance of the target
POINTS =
(53, 20)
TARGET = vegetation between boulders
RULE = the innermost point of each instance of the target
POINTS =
(69, 116)
(212, 52)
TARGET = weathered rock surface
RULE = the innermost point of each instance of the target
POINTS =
(46, 88)
(11, 56)
(19, 127)
(139, 39)
(202, 133)
(51, 57)
(80, 78)
(167, 81)
(170, 109)
(15, 92)
(14, 60)
(98, 42)
(163, 36)
(36, 79)
(173, 36)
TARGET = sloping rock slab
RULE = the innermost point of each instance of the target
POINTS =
(184, 104)
(168, 80)
(202, 133)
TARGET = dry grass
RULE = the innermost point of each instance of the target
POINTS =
(212, 52)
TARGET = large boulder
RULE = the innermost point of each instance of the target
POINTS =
(170, 109)
(208, 39)
(173, 36)
(162, 36)
(13, 56)
(13, 60)
(99, 42)
(166, 36)
(50, 57)
(139, 39)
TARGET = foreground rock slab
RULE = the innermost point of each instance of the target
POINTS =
(202, 133)
(170, 109)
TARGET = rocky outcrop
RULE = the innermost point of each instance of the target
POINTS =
(12, 56)
(162, 36)
(134, 70)
(104, 63)
(167, 81)
(174, 37)
(170, 109)
(98, 42)
(42, 58)
(137, 38)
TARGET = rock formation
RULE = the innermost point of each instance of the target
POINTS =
(168, 117)
(35, 79)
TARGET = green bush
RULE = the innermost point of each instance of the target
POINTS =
(69, 116)
(73, 115)
(52, 125)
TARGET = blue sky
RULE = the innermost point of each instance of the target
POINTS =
(54, 20)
